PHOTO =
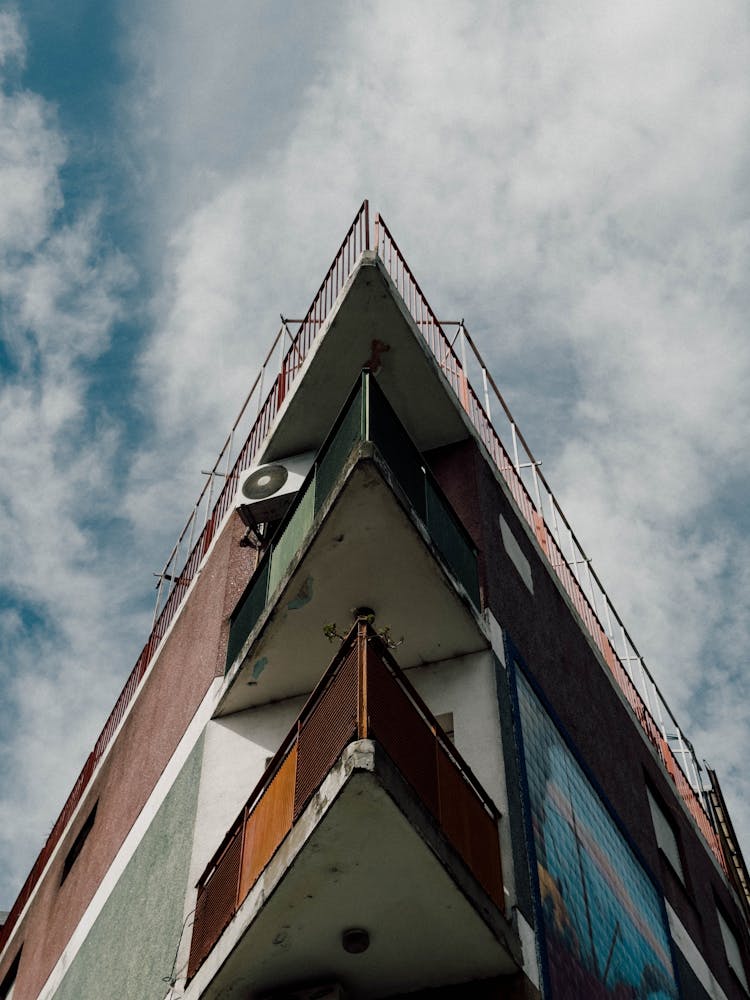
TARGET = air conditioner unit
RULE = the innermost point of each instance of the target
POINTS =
(327, 991)
(265, 491)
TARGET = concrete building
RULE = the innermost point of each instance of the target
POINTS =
(362, 753)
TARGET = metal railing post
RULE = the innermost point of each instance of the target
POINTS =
(362, 678)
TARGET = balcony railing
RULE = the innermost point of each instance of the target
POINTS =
(363, 695)
(366, 416)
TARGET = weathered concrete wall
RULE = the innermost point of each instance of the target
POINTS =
(192, 655)
(132, 944)
(237, 749)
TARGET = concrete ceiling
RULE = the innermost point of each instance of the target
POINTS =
(370, 309)
(364, 865)
(367, 552)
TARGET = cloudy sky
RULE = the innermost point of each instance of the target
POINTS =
(571, 178)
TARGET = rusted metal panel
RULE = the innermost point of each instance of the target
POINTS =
(362, 692)
(469, 827)
(268, 823)
(404, 735)
(217, 902)
(326, 730)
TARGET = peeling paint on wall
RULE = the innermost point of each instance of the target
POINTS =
(375, 361)
(304, 595)
(258, 667)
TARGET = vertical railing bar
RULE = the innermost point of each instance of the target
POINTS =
(535, 480)
(192, 528)
(610, 630)
(362, 677)
(485, 388)
(228, 465)
(574, 556)
(592, 592)
(210, 498)
(159, 586)
(645, 688)
(175, 567)
(625, 652)
(514, 437)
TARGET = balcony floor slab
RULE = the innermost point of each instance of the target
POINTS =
(369, 552)
(370, 326)
(365, 853)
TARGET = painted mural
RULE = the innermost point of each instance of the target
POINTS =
(604, 927)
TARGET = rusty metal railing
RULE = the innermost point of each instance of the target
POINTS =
(543, 514)
(363, 694)
(249, 431)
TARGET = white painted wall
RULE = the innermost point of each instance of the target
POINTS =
(466, 687)
(234, 758)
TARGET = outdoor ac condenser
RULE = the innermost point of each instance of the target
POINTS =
(265, 491)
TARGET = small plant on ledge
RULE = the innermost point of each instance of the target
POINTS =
(331, 632)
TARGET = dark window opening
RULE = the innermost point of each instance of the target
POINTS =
(77, 847)
(10, 976)
(667, 837)
(445, 721)
(731, 939)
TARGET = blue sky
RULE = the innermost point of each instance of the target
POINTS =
(174, 175)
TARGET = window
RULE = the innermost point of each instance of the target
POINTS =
(666, 835)
(6, 987)
(445, 721)
(732, 948)
(517, 557)
(77, 847)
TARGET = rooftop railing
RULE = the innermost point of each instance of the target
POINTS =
(363, 695)
(566, 555)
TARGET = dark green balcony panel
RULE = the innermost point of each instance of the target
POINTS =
(290, 539)
(450, 540)
(366, 416)
(402, 457)
(338, 447)
(248, 611)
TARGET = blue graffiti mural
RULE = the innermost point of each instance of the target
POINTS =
(604, 927)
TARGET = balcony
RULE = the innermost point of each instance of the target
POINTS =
(370, 526)
(367, 816)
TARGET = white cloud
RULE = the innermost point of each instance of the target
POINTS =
(12, 45)
(64, 633)
(32, 153)
(571, 180)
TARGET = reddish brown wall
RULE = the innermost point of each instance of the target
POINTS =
(192, 656)
(576, 684)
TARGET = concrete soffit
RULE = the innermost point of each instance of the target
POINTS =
(365, 852)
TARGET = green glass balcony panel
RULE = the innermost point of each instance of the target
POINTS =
(248, 612)
(338, 447)
(404, 460)
(367, 415)
(451, 541)
(291, 538)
